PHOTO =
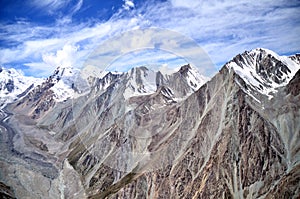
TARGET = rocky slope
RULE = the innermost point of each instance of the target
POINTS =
(142, 134)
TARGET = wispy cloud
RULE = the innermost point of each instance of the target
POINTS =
(77, 7)
(164, 42)
(59, 9)
(50, 5)
(222, 28)
(152, 58)
(225, 28)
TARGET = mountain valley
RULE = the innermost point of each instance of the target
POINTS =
(145, 134)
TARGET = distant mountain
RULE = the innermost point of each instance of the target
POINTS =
(13, 83)
(63, 84)
(66, 83)
(182, 83)
(145, 134)
(264, 71)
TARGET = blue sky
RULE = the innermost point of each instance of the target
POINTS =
(37, 36)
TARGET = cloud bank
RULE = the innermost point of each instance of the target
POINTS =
(222, 28)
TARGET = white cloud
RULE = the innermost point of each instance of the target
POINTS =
(77, 7)
(55, 8)
(64, 20)
(153, 38)
(45, 50)
(218, 25)
(186, 3)
(63, 57)
(165, 69)
(67, 18)
(153, 59)
(128, 4)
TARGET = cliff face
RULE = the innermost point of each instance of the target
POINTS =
(237, 136)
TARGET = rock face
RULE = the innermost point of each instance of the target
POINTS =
(6, 192)
(142, 134)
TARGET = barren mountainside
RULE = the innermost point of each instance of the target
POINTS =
(144, 134)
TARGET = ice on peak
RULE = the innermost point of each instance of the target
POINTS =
(64, 79)
(13, 83)
(265, 51)
(194, 78)
(264, 70)
(141, 80)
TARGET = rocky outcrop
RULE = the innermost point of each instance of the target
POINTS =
(9, 86)
(6, 192)
(40, 99)
(294, 85)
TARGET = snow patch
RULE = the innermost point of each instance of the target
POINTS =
(143, 84)
(248, 72)
(195, 79)
(13, 83)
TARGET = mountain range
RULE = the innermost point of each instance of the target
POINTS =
(146, 134)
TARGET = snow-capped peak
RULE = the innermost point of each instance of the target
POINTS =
(264, 70)
(66, 80)
(194, 78)
(13, 83)
(141, 80)
(182, 82)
